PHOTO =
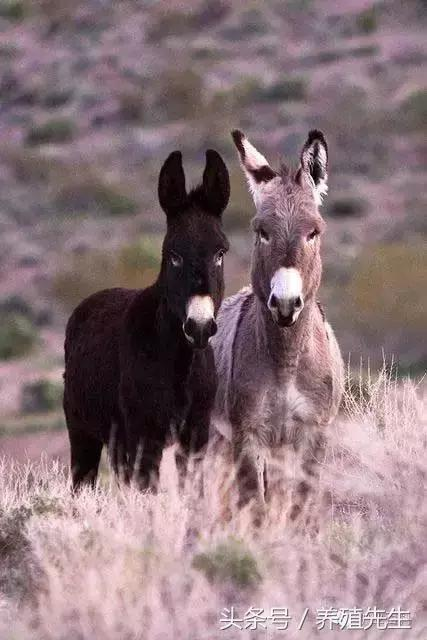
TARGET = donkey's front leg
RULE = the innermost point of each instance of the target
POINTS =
(193, 439)
(311, 452)
(250, 460)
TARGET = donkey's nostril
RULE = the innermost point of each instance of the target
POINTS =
(298, 302)
(273, 301)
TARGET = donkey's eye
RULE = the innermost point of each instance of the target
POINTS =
(176, 259)
(312, 235)
(219, 257)
(263, 236)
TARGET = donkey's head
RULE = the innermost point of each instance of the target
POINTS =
(286, 264)
(194, 245)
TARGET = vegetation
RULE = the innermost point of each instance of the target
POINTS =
(41, 396)
(88, 192)
(284, 89)
(13, 9)
(18, 335)
(367, 21)
(55, 131)
(346, 207)
(229, 562)
(413, 110)
(173, 563)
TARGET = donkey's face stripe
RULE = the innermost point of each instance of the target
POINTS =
(286, 284)
(200, 309)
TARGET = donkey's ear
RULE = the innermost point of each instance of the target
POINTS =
(314, 163)
(257, 170)
(172, 192)
(216, 183)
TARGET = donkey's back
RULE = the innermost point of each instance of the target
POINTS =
(92, 360)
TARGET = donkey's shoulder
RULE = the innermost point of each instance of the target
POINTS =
(235, 301)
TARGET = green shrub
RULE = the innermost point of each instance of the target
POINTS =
(283, 90)
(91, 193)
(18, 335)
(55, 97)
(13, 9)
(41, 396)
(51, 132)
(413, 110)
(367, 21)
(229, 562)
(346, 207)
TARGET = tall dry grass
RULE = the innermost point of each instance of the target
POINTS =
(118, 564)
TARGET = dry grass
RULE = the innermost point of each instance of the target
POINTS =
(118, 564)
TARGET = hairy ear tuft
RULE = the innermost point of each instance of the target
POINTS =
(314, 163)
(256, 168)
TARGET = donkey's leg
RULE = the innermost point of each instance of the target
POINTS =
(145, 453)
(85, 456)
(250, 459)
(193, 439)
(311, 454)
(117, 450)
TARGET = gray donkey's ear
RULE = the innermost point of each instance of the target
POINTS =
(256, 168)
(314, 163)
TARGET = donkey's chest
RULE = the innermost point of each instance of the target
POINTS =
(288, 411)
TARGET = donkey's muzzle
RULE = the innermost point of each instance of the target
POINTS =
(285, 312)
(198, 333)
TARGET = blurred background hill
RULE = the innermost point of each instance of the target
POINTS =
(94, 96)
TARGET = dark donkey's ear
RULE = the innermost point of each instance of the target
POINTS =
(314, 163)
(172, 192)
(216, 183)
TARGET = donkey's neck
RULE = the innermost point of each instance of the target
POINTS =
(169, 327)
(283, 345)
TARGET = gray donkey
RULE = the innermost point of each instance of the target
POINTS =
(279, 365)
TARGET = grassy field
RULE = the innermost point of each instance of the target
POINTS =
(119, 564)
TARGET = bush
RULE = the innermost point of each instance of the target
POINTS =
(41, 396)
(51, 132)
(229, 561)
(285, 89)
(91, 193)
(413, 110)
(367, 21)
(13, 9)
(346, 207)
(18, 335)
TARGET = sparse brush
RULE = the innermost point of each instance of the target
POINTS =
(117, 563)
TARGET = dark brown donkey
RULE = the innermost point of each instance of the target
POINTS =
(138, 366)
(279, 365)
